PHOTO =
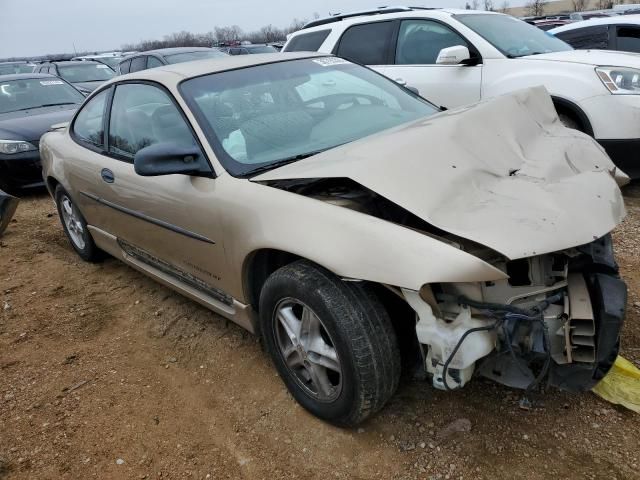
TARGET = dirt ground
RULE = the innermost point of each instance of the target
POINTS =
(105, 374)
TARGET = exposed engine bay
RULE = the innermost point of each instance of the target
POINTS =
(556, 319)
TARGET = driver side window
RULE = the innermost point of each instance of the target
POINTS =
(142, 115)
(420, 42)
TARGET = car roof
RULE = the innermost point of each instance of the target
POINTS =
(25, 76)
(366, 18)
(17, 62)
(617, 20)
(175, 73)
(170, 51)
(74, 62)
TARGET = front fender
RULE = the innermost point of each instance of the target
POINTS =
(349, 243)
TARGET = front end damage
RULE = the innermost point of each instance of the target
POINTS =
(502, 183)
(556, 319)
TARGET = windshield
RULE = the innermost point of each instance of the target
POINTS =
(36, 92)
(258, 117)
(111, 61)
(11, 68)
(262, 49)
(197, 55)
(513, 37)
(85, 72)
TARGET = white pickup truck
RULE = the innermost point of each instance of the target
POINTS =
(456, 57)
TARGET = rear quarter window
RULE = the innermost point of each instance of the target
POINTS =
(367, 44)
(125, 66)
(307, 42)
(88, 125)
(587, 37)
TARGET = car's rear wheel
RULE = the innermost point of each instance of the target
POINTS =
(331, 341)
(75, 227)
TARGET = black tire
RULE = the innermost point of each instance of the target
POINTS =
(87, 250)
(358, 328)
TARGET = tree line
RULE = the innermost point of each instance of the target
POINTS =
(230, 34)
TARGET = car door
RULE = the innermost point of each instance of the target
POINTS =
(627, 38)
(417, 45)
(169, 222)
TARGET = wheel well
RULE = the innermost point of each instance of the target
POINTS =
(259, 266)
(573, 111)
(264, 262)
(52, 184)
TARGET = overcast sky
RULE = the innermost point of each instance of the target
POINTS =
(38, 27)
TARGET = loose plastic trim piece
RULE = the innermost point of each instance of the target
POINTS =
(621, 385)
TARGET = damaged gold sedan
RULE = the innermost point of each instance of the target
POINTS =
(352, 225)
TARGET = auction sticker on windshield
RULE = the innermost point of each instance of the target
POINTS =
(330, 61)
(51, 82)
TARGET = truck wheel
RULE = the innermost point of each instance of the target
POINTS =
(331, 341)
(75, 227)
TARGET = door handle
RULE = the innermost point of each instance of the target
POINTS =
(107, 175)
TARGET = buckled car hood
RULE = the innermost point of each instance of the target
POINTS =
(504, 173)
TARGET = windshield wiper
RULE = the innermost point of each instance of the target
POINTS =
(45, 105)
(526, 54)
(56, 104)
(281, 163)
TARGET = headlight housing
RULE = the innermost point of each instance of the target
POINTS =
(619, 80)
(9, 147)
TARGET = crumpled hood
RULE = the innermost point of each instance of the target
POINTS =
(504, 173)
(608, 58)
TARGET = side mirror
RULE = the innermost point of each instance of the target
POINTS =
(167, 158)
(453, 55)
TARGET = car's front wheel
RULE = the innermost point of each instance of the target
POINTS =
(331, 341)
(75, 227)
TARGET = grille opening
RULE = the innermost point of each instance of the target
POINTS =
(518, 271)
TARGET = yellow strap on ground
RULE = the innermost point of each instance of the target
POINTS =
(621, 385)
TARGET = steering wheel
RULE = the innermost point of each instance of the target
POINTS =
(336, 100)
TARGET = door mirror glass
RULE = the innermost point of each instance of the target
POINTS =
(453, 55)
(167, 158)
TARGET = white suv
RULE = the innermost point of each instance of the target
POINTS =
(457, 57)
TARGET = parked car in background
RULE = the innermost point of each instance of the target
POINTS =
(29, 105)
(457, 57)
(86, 76)
(165, 56)
(580, 16)
(248, 49)
(548, 24)
(10, 68)
(620, 33)
(348, 222)
(111, 60)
